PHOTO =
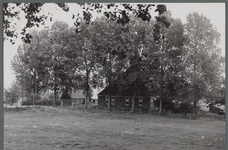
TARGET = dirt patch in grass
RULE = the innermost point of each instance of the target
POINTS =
(60, 128)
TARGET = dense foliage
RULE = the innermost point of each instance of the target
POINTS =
(181, 63)
(12, 95)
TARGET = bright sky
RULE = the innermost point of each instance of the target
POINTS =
(213, 11)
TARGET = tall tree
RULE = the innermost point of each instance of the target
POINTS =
(203, 56)
(85, 57)
(109, 46)
(161, 63)
(62, 65)
(164, 66)
(29, 67)
(134, 39)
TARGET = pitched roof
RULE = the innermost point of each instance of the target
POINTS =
(136, 88)
(78, 94)
(129, 91)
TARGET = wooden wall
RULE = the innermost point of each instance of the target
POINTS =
(120, 103)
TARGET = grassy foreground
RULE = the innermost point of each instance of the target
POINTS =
(65, 128)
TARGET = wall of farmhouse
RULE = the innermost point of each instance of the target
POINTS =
(120, 102)
(101, 103)
(144, 105)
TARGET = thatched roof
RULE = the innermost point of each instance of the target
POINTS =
(123, 86)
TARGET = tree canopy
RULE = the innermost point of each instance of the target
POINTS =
(115, 12)
(181, 62)
(203, 57)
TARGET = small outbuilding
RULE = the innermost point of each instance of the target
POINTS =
(216, 109)
(75, 98)
(78, 96)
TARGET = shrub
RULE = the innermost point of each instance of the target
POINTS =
(27, 102)
(11, 96)
(166, 104)
(44, 101)
(52, 96)
(47, 102)
(186, 108)
(65, 95)
(176, 110)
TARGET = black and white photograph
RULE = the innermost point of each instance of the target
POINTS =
(114, 76)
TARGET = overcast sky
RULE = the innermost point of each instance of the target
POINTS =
(213, 11)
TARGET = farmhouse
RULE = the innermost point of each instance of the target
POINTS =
(136, 96)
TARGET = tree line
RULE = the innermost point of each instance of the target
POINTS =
(181, 62)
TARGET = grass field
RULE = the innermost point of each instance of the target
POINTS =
(66, 128)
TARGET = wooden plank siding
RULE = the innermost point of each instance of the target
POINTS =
(120, 102)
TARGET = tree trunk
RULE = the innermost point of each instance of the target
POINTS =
(33, 99)
(160, 106)
(87, 89)
(22, 96)
(55, 92)
(33, 96)
(109, 96)
(194, 109)
(109, 102)
(161, 90)
(133, 104)
(162, 71)
(194, 86)
(34, 90)
(86, 98)
(110, 81)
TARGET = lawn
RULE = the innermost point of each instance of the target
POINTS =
(66, 128)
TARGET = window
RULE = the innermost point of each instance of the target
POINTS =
(140, 101)
(113, 101)
(107, 100)
(126, 100)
